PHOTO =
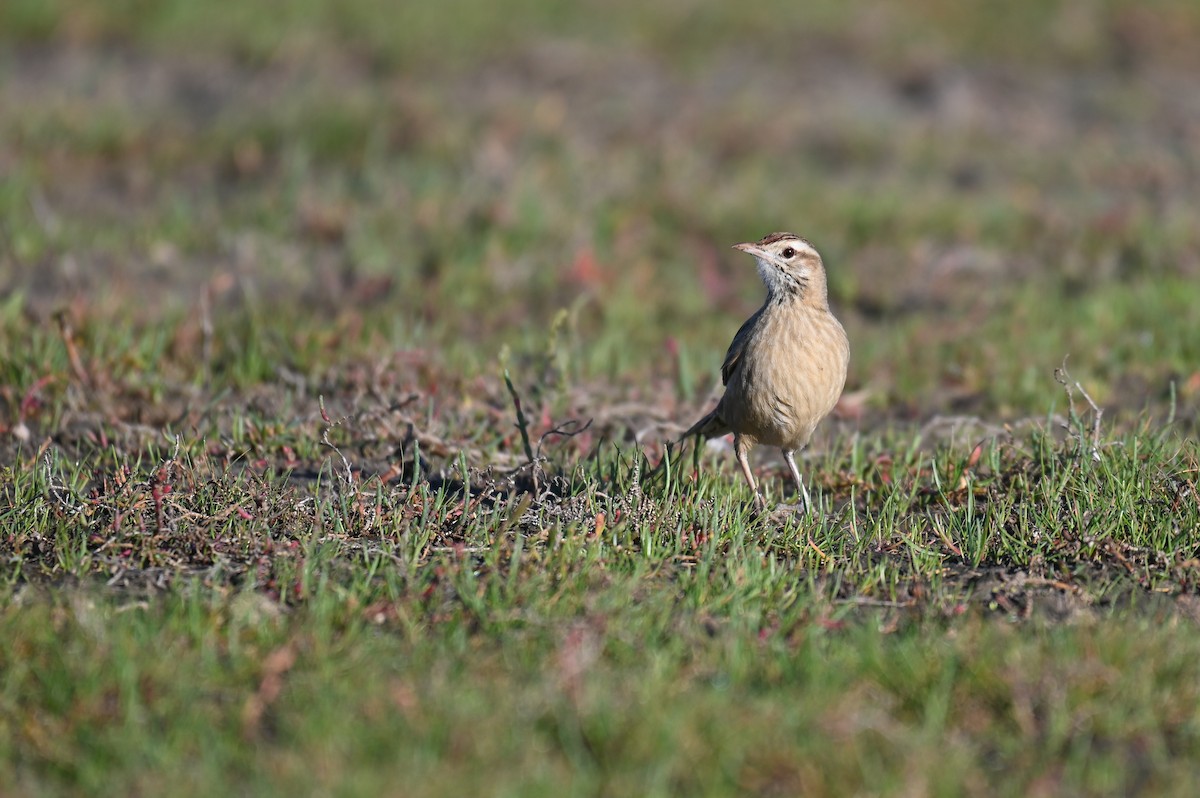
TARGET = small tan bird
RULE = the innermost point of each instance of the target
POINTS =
(786, 367)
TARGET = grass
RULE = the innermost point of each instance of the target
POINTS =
(848, 706)
(276, 282)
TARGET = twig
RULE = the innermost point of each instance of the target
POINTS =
(523, 426)
(1063, 377)
(329, 426)
(567, 429)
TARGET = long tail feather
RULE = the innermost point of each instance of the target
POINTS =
(709, 427)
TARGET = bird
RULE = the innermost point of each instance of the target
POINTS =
(786, 367)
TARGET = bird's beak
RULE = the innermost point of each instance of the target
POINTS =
(752, 249)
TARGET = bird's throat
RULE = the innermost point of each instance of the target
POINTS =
(781, 287)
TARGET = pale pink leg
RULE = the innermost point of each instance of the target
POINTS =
(741, 449)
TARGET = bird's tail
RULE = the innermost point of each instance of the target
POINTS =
(710, 426)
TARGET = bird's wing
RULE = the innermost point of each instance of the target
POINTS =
(734, 355)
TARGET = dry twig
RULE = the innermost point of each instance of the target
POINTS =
(1063, 377)
(329, 426)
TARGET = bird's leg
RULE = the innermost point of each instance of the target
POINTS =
(741, 449)
(790, 457)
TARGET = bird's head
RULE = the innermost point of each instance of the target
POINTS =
(789, 265)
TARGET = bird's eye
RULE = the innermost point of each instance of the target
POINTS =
(788, 253)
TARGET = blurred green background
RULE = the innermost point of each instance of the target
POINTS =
(993, 186)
